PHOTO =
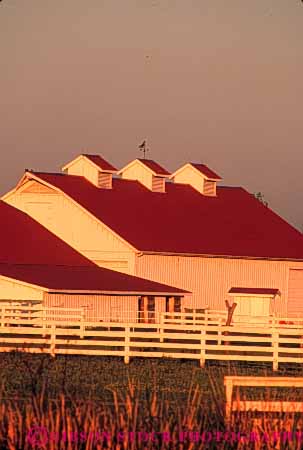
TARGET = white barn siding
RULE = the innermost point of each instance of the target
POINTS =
(211, 278)
(102, 307)
(11, 290)
(97, 307)
(76, 227)
(295, 289)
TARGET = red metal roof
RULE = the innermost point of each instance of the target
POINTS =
(182, 220)
(68, 278)
(154, 166)
(254, 291)
(206, 171)
(101, 162)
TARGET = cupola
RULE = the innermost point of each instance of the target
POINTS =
(199, 176)
(94, 168)
(147, 172)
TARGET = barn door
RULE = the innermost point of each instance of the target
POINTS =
(295, 292)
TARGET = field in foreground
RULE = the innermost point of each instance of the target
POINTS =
(73, 402)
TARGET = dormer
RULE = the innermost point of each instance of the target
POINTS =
(199, 176)
(94, 168)
(147, 172)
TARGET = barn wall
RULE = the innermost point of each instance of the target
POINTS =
(295, 289)
(101, 307)
(76, 227)
(97, 307)
(211, 278)
(10, 290)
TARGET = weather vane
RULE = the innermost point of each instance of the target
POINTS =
(142, 147)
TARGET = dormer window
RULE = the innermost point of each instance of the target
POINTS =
(147, 172)
(94, 168)
(199, 176)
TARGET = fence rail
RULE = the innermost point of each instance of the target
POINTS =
(49, 330)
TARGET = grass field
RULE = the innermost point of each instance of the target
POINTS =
(77, 402)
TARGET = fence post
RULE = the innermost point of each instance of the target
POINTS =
(126, 344)
(161, 329)
(202, 343)
(82, 325)
(206, 317)
(275, 345)
(220, 331)
(2, 317)
(43, 321)
(53, 340)
(229, 392)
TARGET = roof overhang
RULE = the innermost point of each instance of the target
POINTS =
(118, 293)
(208, 255)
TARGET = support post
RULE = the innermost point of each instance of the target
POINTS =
(126, 345)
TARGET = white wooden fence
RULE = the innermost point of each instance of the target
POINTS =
(59, 331)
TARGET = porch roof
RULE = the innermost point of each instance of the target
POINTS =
(90, 279)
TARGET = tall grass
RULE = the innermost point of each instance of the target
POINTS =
(106, 401)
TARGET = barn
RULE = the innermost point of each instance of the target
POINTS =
(183, 229)
(38, 268)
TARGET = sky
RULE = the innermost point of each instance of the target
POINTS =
(211, 81)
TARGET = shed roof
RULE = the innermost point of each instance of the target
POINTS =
(232, 224)
(85, 279)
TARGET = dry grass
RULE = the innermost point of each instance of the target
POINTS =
(103, 396)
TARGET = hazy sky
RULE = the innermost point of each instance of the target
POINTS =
(211, 81)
